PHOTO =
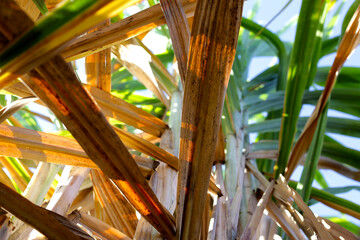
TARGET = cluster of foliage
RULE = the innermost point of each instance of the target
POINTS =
(153, 146)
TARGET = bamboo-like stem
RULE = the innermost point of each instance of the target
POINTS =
(30, 8)
(207, 76)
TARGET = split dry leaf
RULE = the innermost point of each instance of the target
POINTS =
(179, 32)
(347, 46)
(118, 109)
(337, 231)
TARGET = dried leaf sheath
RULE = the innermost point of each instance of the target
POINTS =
(179, 32)
(212, 50)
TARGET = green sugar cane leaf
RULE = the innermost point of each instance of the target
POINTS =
(41, 6)
(312, 158)
(319, 178)
(19, 168)
(301, 60)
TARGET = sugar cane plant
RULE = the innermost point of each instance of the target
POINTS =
(158, 146)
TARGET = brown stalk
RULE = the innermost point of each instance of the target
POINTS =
(47, 222)
(121, 31)
(252, 226)
(56, 84)
(143, 229)
(208, 209)
(97, 226)
(121, 214)
(211, 54)
(347, 46)
(111, 106)
(220, 148)
(179, 32)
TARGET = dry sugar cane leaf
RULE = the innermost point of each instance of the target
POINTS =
(120, 110)
(111, 106)
(50, 224)
(97, 226)
(121, 31)
(211, 54)
(179, 32)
